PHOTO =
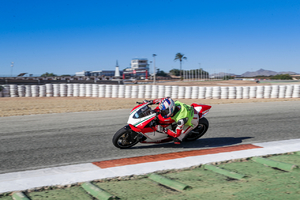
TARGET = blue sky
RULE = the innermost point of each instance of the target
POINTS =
(64, 37)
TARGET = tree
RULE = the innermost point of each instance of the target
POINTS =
(161, 73)
(180, 57)
(48, 74)
(228, 77)
(175, 72)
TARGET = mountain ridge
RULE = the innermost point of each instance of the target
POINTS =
(260, 72)
(263, 72)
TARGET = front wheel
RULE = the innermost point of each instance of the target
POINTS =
(125, 138)
(199, 131)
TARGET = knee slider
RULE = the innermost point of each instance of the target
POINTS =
(181, 123)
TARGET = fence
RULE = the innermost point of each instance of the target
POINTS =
(150, 91)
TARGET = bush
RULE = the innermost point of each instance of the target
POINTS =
(48, 74)
(282, 77)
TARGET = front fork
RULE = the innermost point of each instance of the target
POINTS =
(134, 135)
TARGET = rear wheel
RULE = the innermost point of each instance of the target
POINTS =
(199, 131)
(125, 138)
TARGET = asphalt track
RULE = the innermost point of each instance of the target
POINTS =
(40, 141)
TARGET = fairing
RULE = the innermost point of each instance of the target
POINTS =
(139, 121)
(201, 109)
(141, 118)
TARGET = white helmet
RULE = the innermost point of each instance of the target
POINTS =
(167, 107)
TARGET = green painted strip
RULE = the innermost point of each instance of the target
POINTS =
(168, 182)
(134, 110)
(19, 196)
(275, 164)
(224, 172)
(142, 121)
(96, 192)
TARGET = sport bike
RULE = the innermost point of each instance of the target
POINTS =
(143, 126)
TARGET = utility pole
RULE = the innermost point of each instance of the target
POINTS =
(12, 65)
(154, 70)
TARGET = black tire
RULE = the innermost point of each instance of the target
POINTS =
(124, 138)
(199, 131)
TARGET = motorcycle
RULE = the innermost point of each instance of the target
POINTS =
(143, 126)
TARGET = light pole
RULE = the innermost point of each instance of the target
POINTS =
(199, 72)
(12, 65)
(154, 70)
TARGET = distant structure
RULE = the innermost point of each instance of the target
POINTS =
(139, 69)
(83, 73)
(96, 73)
(101, 73)
(117, 71)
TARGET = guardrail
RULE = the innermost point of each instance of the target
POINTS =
(150, 91)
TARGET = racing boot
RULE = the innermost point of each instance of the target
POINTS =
(174, 135)
(176, 140)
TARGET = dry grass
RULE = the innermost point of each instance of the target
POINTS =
(44, 105)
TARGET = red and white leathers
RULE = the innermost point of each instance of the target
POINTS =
(182, 128)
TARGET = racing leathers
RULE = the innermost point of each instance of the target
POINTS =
(186, 118)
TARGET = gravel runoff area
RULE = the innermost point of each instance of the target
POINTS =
(46, 105)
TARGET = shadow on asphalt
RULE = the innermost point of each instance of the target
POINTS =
(200, 143)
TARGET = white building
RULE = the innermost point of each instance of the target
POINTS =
(96, 73)
(139, 63)
(139, 68)
(83, 73)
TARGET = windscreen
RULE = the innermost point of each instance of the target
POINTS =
(144, 111)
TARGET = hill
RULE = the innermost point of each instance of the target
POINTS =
(263, 72)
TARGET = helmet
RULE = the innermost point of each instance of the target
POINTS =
(167, 107)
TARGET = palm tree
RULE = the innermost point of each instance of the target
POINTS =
(180, 57)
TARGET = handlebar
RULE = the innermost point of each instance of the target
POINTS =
(146, 101)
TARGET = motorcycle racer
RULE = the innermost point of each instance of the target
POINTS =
(184, 115)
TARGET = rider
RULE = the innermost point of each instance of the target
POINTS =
(184, 115)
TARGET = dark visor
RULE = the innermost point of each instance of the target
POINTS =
(164, 112)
